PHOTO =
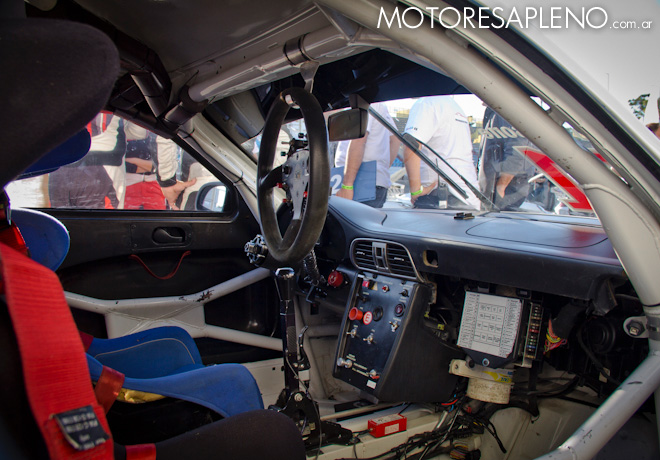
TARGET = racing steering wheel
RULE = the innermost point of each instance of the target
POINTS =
(305, 175)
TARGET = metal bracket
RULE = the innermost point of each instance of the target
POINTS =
(256, 250)
(308, 72)
(636, 327)
(303, 360)
(304, 411)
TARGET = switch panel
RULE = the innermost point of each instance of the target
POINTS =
(384, 348)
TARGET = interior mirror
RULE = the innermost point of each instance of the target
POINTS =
(211, 197)
(348, 124)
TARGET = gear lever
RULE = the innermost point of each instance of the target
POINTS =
(292, 401)
(285, 279)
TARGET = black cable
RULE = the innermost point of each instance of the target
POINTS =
(563, 389)
(599, 366)
(487, 425)
(578, 401)
(407, 406)
(423, 439)
(438, 443)
(491, 429)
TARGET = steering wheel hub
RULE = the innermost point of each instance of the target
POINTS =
(297, 180)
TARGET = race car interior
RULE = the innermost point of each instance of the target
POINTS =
(378, 333)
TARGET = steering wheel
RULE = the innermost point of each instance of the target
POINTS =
(305, 176)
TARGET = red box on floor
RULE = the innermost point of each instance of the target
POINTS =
(389, 424)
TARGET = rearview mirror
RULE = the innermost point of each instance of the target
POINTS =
(348, 124)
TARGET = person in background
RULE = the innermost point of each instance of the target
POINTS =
(90, 182)
(379, 145)
(168, 165)
(142, 188)
(654, 128)
(127, 167)
(439, 122)
(504, 171)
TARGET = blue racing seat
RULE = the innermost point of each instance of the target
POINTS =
(165, 361)
(148, 354)
(227, 389)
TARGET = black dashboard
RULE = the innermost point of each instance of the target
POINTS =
(551, 254)
(404, 280)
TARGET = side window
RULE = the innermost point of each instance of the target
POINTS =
(127, 168)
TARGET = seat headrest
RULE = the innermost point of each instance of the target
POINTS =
(46, 238)
(72, 150)
(56, 77)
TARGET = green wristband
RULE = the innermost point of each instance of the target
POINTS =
(347, 187)
(417, 192)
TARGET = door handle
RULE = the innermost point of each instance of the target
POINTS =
(169, 235)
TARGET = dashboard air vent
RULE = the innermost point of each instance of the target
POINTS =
(383, 257)
(399, 262)
(363, 255)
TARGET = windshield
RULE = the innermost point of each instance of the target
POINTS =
(447, 153)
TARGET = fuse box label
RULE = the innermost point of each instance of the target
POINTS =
(490, 323)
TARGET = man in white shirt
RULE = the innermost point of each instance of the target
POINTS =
(439, 122)
(377, 144)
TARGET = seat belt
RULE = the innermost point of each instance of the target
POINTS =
(70, 415)
(58, 387)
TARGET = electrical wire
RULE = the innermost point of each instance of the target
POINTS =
(590, 354)
(552, 341)
(439, 443)
(405, 408)
(561, 390)
(462, 425)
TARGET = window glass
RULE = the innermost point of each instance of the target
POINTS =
(127, 168)
(493, 166)
(475, 161)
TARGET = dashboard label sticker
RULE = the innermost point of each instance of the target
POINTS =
(490, 324)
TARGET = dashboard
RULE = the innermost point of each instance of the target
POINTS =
(539, 253)
(421, 293)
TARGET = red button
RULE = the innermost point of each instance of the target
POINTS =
(335, 279)
(368, 317)
(355, 314)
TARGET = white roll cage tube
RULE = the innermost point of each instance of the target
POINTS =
(127, 316)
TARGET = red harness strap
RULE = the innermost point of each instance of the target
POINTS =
(86, 339)
(54, 367)
(141, 452)
(108, 387)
